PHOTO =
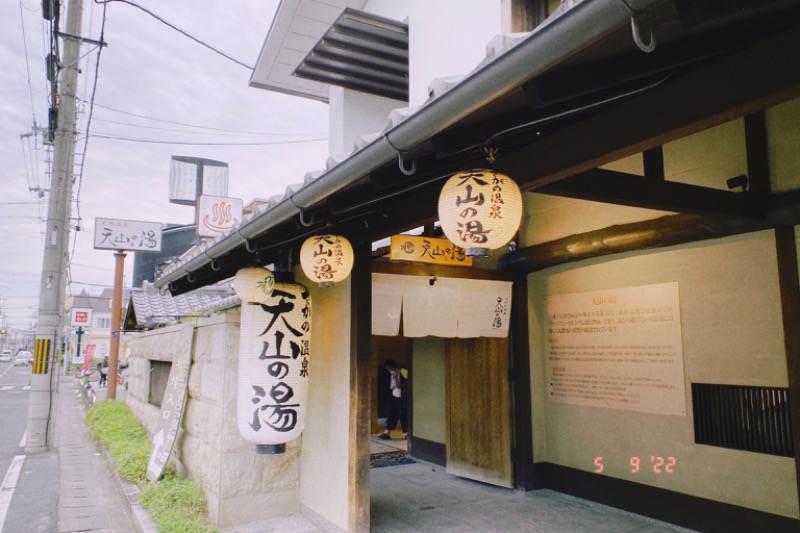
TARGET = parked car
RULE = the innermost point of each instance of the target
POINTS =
(23, 359)
(5, 356)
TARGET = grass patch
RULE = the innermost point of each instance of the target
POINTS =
(177, 505)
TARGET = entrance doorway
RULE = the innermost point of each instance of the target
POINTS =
(459, 403)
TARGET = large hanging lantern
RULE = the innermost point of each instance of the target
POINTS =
(326, 259)
(254, 284)
(480, 210)
(273, 367)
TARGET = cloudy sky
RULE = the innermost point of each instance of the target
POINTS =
(158, 94)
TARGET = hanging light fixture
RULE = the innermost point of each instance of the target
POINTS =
(480, 210)
(326, 259)
(273, 367)
(254, 284)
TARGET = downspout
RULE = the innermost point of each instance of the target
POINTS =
(584, 25)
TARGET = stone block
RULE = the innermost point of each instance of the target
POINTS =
(255, 507)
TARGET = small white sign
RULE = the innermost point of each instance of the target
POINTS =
(130, 235)
(80, 317)
(217, 214)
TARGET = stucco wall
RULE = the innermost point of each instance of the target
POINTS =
(240, 486)
(731, 330)
(429, 389)
(325, 454)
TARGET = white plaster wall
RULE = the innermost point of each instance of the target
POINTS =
(784, 145)
(732, 334)
(352, 114)
(324, 458)
(429, 389)
(731, 327)
(447, 38)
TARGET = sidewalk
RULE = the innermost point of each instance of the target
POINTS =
(91, 495)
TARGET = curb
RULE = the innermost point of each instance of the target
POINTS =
(140, 518)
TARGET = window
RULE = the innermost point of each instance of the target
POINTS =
(755, 419)
(104, 323)
(159, 376)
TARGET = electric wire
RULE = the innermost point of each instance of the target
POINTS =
(79, 175)
(216, 131)
(194, 143)
(179, 30)
(154, 119)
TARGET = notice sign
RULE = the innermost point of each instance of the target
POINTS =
(617, 348)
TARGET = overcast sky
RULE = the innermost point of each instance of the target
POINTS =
(153, 84)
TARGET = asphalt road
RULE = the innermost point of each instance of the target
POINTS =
(32, 506)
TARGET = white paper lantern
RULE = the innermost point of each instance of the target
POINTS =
(253, 284)
(273, 367)
(326, 259)
(480, 210)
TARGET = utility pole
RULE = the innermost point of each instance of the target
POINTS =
(51, 290)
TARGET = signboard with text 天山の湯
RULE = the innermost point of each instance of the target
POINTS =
(127, 235)
(427, 250)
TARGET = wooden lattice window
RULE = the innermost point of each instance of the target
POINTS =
(755, 419)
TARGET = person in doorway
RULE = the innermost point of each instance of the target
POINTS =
(398, 380)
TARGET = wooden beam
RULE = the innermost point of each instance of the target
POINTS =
(613, 187)
(656, 233)
(789, 282)
(360, 398)
(757, 147)
(741, 83)
(653, 160)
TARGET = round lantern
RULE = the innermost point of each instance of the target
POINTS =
(326, 259)
(253, 284)
(480, 210)
(273, 368)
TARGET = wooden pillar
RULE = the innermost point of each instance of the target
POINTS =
(360, 385)
(521, 387)
(789, 281)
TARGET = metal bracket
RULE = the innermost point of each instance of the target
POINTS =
(306, 224)
(637, 38)
(402, 164)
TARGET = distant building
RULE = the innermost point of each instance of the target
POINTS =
(175, 240)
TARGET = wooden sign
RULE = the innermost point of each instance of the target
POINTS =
(427, 250)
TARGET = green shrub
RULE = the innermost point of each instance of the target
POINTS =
(177, 505)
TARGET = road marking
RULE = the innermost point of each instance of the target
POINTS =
(9, 485)
(22, 442)
(26, 387)
(7, 387)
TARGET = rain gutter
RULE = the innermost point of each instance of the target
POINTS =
(584, 25)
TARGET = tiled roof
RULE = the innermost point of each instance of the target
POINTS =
(151, 307)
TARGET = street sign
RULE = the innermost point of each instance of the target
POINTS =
(79, 316)
(217, 214)
(129, 235)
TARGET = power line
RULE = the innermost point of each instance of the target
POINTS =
(179, 30)
(191, 143)
(146, 117)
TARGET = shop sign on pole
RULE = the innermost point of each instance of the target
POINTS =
(218, 214)
(80, 317)
(128, 235)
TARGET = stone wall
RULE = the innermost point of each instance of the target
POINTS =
(240, 486)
